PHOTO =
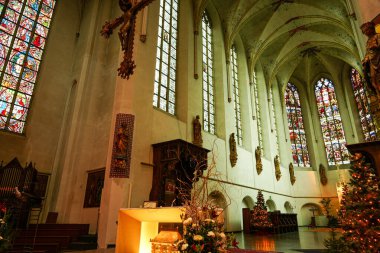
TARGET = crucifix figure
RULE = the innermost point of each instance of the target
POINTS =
(126, 33)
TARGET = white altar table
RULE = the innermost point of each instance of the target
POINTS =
(136, 226)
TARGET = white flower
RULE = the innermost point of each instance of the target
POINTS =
(1, 238)
(198, 238)
(187, 221)
(184, 246)
(2, 221)
(222, 235)
(211, 234)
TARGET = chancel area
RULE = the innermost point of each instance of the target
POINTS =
(242, 115)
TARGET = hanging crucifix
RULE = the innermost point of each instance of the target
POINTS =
(126, 33)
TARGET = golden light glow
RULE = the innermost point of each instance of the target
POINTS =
(137, 226)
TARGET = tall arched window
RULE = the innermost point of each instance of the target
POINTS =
(208, 82)
(235, 95)
(274, 123)
(166, 57)
(331, 123)
(23, 31)
(362, 102)
(296, 127)
(258, 116)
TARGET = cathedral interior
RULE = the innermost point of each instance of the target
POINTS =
(268, 92)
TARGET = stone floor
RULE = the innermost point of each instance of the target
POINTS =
(305, 240)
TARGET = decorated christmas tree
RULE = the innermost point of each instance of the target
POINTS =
(360, 209)
(259, 215)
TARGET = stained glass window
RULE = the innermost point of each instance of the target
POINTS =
(331, 123)
(296, 127)
(258, 116)
(235, 95)
(166, 57)
(23, 31)
(274, 123)
(362, 102)
(208, 82)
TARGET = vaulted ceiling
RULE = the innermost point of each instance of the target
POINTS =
(289, 38)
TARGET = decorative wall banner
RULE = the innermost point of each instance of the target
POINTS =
(233, 151)
(259, 163)
(122, 146)
(291, 172)
(277, 167)
(322, 174)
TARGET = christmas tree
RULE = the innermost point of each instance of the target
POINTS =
(259, 215)
(359, 213)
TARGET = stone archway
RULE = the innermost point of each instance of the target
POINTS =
(217, 199)
(288, 207)
(271, 205)
(306, 213)
(247, 202)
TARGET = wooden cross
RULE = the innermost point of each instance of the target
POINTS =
(126, 33)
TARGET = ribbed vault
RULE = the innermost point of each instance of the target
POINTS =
(298, 38)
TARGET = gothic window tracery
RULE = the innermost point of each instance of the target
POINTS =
(207, 76)
(235, 95)
(258, 115)
(362, 102)
(296, 127)
(166, 57)
(331, 123)
(274, 123)
(23, 32)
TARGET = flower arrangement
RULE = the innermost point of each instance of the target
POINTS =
(5, 230)
(8, 220)
(202, 218)
(205, 233)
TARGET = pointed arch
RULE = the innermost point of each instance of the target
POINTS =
(362, 103)
(166, 57)
(235, 94)
(297, 133)
(331, 123)
(24, 30)
(207, 76)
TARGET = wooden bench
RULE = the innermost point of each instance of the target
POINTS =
(46, 247)
(73, 233)
(282, 222)
(83, 228)
(64, 241)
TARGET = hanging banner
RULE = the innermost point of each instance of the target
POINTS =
(122, 146)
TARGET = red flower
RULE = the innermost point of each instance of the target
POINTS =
(235, 244)
(3, 208)
(197, 248)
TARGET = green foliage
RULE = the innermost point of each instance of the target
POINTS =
(359, 212)
(205, 234)
(335, 244)
(326, 205)
(6, 228)
(259, 215)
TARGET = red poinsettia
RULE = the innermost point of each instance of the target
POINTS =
(3, 207)
(235, 243)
